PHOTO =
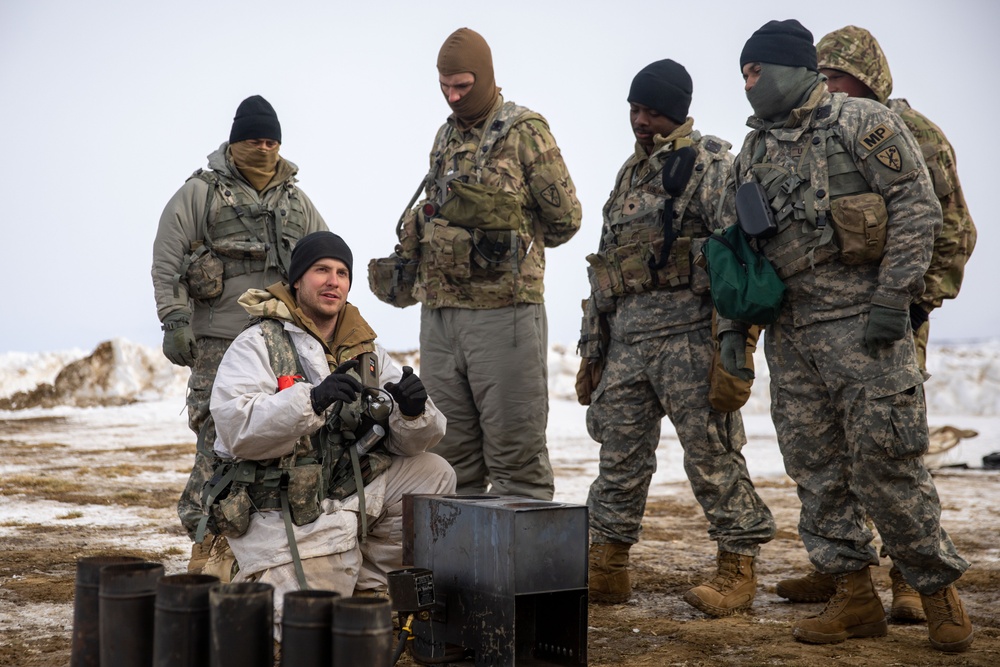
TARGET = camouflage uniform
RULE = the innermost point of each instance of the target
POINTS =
(483, 332)
(855, 51)
(660, 356)
(851, 428)
(219, 205)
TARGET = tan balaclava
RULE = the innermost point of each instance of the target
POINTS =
(465, 50)
(255, 119)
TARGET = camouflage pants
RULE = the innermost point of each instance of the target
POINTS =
(206, 365)
(920, 338)
(486, 370)
(852, 430)
(642, 383)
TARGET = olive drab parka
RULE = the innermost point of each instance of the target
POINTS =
(250, 234)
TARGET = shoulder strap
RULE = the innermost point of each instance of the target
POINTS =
(281, 352)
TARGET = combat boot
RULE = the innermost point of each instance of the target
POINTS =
(949, 626)
(906, 604)
(732, 588)
(855, 610)
(608, 573)
(814, 587)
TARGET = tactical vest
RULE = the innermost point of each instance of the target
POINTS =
(466, 223)
(630, 259)
(322, 465)
(806, 230)
(246, 235)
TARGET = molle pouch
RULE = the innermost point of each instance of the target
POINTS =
(241, 249)
(633, 260)
(391, 280)
(859, 222)
(448, 248)
(305, 491)
(478, 206)
(494, 250)
(204, 274)
(677, 270)
(605, 282)
(231, 514)
(699, 281)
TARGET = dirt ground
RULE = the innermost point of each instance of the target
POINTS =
(140, 487)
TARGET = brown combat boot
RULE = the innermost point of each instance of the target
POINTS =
(855, 610)
(814, 587)
(906, 605)
(949, 626)
(732, 588)
(608, 573)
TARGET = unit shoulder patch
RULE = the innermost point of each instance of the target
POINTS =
(871, 140)
(551, 196)
(891, 158)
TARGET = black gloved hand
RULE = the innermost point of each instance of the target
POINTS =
(409, 393)
(337, 386)
(733, 350)
(885, 327)
(918, 316)
(178, 339)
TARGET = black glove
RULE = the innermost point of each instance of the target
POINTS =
(178, 339)
(733, 350)
(918, 316)
(885, 327)
(409, 393)
(337, 386)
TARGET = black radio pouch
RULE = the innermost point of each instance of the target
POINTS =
(753, 211)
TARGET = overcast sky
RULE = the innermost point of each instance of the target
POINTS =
(109, 106)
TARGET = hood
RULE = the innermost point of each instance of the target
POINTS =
(853, 50)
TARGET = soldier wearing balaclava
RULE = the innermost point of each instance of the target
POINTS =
(855, 217)
(472, 253)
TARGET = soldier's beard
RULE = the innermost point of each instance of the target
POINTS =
(780, 89)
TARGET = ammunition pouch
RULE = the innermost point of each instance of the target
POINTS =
(231, 514)
(448, 248)
(592, 348)
(860, 225)
(203, 273)
(631, 269)
(391, 279)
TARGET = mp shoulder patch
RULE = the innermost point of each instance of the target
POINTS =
(872, 140)
(891, 158)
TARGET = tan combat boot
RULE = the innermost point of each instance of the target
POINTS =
(732, 588)
(906, 605)
(855, 610)
(814, 587)
(949, 626)
(608, 575)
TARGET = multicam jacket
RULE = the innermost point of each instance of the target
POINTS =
(256, 421)
(677, 299)
(252, 235)
(855, 51)
(792, 160)
(524, 164)
(954, 245)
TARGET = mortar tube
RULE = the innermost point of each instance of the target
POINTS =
(362, 632)
(182, 634)
(86, 647)
(241, 617)
(306, 624)
(127, 597)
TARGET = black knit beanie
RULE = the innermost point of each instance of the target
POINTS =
(664, 86)
(255, 119)
(316, 246)
(786, 43)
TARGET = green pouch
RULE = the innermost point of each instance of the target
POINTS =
(745, 287)
(305, 490)
(478, 206)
